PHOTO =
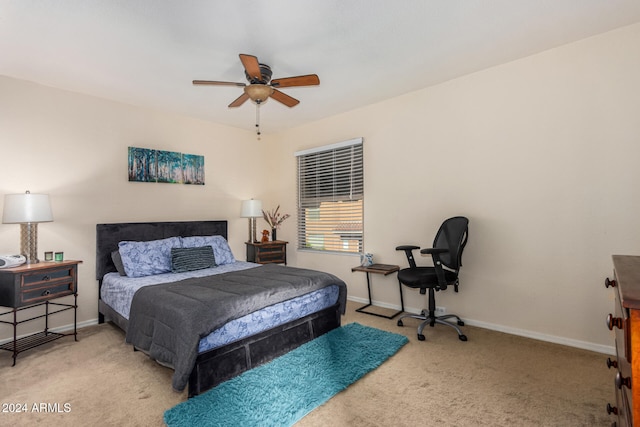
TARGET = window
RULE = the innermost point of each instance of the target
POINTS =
(330, 197)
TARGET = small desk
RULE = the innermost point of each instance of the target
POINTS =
(385, 269)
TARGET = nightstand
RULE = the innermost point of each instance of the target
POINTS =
(34, 285)
(274, 252)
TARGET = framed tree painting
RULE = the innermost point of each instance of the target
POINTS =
(149, 165)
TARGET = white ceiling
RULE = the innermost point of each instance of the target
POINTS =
(147, 52)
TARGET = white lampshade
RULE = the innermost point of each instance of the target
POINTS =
(251, 209)
(26, 208)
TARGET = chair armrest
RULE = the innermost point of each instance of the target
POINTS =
(407, 247)
(437, 264)
(434, 251)
(408, 251)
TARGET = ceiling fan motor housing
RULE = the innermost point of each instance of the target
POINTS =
(265, 72)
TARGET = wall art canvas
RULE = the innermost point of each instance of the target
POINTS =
(149, 165)
(193, 169)
(169, 166)
(142, 164)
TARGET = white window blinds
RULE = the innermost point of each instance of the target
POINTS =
(330, 197)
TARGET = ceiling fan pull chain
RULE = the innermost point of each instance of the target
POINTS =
(258, 119)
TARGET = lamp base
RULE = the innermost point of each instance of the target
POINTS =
(29, 242)
(252, 231)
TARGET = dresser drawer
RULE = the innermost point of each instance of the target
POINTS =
(622, 326)
(269, 256)
(623, 391)
(45, 277)
(34, 295)
(624, 409)
(276, 249)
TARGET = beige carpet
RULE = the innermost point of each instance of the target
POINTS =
(494, 379)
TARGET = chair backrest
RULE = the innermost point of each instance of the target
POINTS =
(452, 235)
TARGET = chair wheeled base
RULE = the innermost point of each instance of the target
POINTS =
(430, 318)
(432, 322)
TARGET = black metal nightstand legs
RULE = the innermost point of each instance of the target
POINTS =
(362, 309)
(18, 345)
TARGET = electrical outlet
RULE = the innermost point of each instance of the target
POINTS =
(440, 311)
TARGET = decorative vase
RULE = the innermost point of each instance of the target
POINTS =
(273, 235)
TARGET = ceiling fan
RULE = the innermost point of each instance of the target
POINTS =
(261, 87)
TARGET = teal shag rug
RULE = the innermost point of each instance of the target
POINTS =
(283, 391)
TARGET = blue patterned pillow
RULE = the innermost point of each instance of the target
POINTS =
(221, 250)
(147, 258)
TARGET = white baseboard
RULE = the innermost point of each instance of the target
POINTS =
(59, 329)
(598, 348)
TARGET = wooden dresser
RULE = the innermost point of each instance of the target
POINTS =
(625, 321)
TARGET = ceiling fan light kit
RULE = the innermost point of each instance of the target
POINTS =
(258, 93)
(261, 87)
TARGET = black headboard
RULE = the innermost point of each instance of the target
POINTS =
(109, 235)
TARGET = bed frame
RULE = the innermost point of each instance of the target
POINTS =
(214, 366)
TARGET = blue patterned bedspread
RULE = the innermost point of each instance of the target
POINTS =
(117, 292)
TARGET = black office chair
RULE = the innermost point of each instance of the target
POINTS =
(446, 254)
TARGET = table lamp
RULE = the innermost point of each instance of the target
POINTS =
(27, 210)
(251, 209)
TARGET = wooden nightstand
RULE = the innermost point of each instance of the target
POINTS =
(274, 252)
(33, 285)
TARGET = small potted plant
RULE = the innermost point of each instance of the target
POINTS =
(274, 219)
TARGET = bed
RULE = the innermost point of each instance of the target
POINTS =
(248, 329)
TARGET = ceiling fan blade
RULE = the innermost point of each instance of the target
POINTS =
(308, 80)
(284, 98)
(251, 66)
(239, 100)
(214, 83)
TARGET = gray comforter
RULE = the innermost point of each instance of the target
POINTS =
(168, 320)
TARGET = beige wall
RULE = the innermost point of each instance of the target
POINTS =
(541, 154)
(74, 147)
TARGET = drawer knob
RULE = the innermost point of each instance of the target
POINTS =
(611, 363)
(622, 381)
(614, 322)
(46, 278)
(46, 292)
(611, 409)
(611, 283)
